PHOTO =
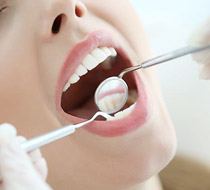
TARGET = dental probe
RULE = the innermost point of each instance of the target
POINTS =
(165, 57)
(112, 94)
(45, 139)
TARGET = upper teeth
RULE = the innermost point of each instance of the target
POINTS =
(91, 61)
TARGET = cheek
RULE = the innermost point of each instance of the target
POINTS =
(17, 85)
(20, 96)
(50, 62)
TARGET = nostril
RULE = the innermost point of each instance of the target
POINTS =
(78, 12)
(57, 24)
(80, 9)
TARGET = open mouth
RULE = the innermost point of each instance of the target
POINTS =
(89, 63)
(78, 93)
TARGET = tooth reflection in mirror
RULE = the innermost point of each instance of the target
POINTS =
(111, 95)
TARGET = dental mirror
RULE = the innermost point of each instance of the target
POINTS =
(112, 94)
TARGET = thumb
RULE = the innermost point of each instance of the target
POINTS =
(17, 171)
(201, 38)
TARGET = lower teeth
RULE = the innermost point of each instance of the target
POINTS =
(111, 102)
(122, 114)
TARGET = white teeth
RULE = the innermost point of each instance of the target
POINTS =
(81, 70)
(99, 55)
(107, 51)
(113, 51)
(67, 85)
(123, 114)
(91, 61)
(74, 78)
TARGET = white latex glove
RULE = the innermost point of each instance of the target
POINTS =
(18, 170)
(202, 37)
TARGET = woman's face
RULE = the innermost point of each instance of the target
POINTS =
(43, 43)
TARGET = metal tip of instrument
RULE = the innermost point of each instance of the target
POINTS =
(134, 68)
(103, 114)
(97, 114)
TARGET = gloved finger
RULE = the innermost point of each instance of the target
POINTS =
(16, 168)
(202, 37)
(7, 132)
(39, 163)
(21, 139)
(37, 160)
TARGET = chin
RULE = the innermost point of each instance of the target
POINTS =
(143, 160)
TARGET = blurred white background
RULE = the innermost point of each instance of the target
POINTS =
(169, 24)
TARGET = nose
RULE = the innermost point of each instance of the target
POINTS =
(60, 13)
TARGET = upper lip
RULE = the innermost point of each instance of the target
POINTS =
(74, 58)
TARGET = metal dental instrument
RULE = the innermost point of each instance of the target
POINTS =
(45, 139)
(115, 90)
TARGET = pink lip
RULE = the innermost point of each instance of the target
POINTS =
(102, 128)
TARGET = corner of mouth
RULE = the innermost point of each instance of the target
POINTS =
(74, 114)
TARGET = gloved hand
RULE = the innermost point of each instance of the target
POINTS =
(18, 170)
(202, 37)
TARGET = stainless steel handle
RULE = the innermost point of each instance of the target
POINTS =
(165, 57)
(42, 140)
(45, 139)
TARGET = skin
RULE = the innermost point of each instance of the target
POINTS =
(30, 61)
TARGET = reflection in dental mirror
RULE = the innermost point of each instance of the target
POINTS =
(111, 95)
